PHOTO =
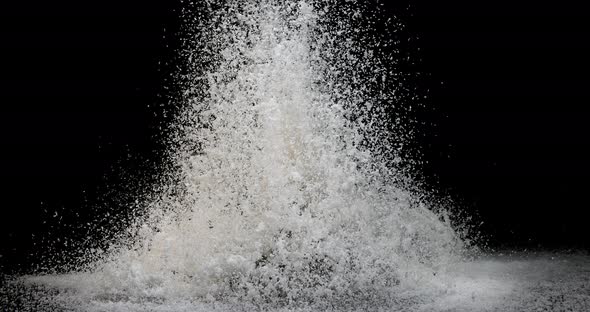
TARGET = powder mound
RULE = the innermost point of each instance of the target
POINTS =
(285, 190)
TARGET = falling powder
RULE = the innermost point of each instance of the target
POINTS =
(288, 190)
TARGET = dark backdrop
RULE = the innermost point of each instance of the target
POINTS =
(83, 97)
(509, 80)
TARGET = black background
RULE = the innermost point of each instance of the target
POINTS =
(510, 81)
(83, 99)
